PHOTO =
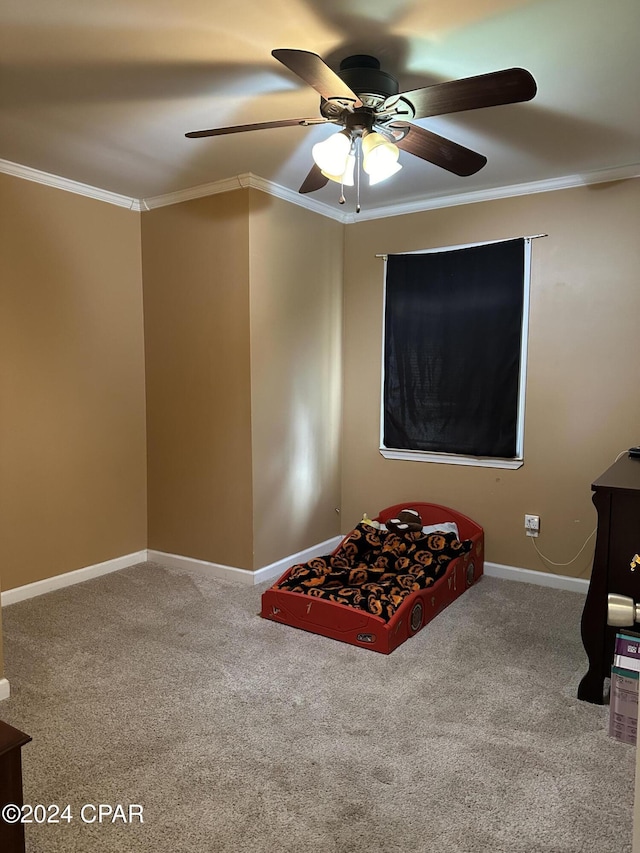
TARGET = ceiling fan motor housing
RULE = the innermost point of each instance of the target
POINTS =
(363, 75)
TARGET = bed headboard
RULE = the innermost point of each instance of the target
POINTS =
(433, 514)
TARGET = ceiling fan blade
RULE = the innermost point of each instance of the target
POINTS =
(314, 71)
(510, 86)
(315, 180)
(439, 151)
(263, 125)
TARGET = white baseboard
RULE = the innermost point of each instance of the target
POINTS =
(245, 576)
(31, 590)
(5, 690)
(274, 570)
(511, 573)
(214, 570)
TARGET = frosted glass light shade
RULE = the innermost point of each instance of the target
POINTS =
(346, 177)
(331, 154)
(380, 157)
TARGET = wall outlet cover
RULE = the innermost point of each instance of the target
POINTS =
(532, 525)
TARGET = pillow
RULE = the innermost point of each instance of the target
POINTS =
(443, 526)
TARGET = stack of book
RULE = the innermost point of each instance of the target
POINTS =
(625, 675)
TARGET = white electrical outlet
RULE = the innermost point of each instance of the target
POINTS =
(532, 525)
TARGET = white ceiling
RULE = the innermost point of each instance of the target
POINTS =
(102, 91)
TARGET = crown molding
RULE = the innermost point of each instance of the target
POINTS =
(49, 180)
(246, 180)
(201, 191)
(252, 181)
(619, 173)
(294, 197)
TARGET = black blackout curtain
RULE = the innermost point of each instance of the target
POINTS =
(453, 327)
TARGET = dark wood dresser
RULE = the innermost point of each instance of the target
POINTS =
(11, 743)
(617, 500)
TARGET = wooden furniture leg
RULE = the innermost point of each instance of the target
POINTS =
(11, 742)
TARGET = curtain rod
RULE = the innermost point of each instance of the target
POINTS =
(463, 246)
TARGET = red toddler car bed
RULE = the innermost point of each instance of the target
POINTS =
(342, 621)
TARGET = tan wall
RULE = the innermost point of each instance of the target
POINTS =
(242, 311)
(296, 326)
(72, 416)
(196, 292)
(582, 405)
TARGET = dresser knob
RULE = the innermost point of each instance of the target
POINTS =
(621, 610)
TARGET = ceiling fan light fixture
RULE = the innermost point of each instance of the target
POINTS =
(379, 157)
(346, 178)
(331, 154)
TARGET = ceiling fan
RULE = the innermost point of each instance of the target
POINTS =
(375, 117)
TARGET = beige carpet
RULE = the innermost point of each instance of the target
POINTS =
(237, 735)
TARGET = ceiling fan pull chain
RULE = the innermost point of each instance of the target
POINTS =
(342, 199)
(352, 149)
(358, 149)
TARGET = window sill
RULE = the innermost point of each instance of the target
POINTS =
(450, 458)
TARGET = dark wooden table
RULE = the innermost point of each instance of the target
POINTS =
(11, 743)
(617, 500)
